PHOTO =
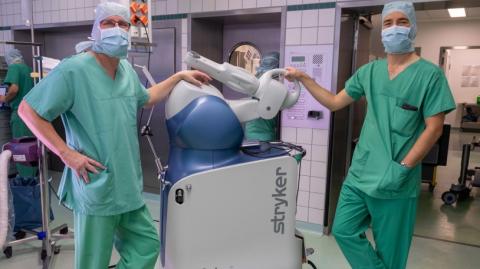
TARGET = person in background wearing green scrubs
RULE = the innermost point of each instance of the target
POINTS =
(98, 94)
(407, 99)
(19, 83)
(261, 129)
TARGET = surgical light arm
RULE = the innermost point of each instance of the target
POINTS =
(269, 95)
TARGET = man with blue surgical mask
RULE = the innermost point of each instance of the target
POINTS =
(98, 94)
(407, 99)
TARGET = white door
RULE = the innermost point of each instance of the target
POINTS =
(463, 74)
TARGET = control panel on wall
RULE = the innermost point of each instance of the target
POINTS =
(141, 20)
(316, 61)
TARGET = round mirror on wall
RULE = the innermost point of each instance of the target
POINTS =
(245, 55)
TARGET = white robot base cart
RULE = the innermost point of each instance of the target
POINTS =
(225, 205)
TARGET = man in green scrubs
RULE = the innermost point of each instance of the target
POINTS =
(98, 94)
(407, 99)
(19, 84)
(262, 129)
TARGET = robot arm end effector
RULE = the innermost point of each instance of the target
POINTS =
(267, 85)
(272, 95)
(234, 77)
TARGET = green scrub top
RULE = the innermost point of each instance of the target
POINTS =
(261, 129)
(19, 74)
(99, 115)
(396, 113)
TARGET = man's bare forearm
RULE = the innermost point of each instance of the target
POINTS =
(11, 93)
(42, 129)
(425, 142)
(161, 90)
(330, 100)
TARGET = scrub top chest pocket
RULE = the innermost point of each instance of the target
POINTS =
(404, 114)
(405, 117)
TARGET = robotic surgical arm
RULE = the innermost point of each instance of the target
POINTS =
(269, 95)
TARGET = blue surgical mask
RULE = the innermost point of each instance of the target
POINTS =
(113, 42)
(396, 40)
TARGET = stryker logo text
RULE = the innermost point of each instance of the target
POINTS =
(280, 201)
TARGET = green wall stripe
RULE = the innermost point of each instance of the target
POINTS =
(289, 8)
(311, 6)
(169, 17)
(185, 15)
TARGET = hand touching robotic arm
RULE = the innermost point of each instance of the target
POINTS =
(270, 95)
(236, 78)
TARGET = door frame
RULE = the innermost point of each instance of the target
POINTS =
(205, 15)
(443, 50)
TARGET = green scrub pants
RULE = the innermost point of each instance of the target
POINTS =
(133, 233)
(19, 129)
(392, 222)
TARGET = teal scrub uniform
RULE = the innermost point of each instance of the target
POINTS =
(378, 190)
(134, 236)
(261, 130)
(19, 74)
(99, 114)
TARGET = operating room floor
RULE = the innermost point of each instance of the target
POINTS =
(446, 237)
(459, 223)
(425, 253)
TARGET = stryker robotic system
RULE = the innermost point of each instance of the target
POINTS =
(225, 205)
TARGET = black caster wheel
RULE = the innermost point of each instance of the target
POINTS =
(8, 252)
(449, 198)
(20, 235)
(64, 230)
(56, 250)
(43, 254)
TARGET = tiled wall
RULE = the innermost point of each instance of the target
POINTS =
(45, 12)
(191, 6)
(64, 11)
(48, 11)
(184, 41)
(311, 196)
(310, 27)
(9, 10)
(53, 11)
(4, 35)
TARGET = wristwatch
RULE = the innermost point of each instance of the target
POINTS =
(404, 164)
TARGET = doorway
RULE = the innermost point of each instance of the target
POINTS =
(217, 36)
(462, 68)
